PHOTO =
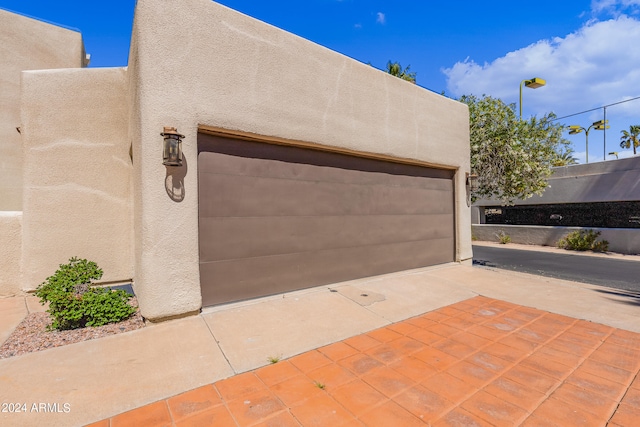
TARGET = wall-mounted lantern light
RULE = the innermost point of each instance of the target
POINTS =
(172, 147)
(471, 183)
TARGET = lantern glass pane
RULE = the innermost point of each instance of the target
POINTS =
(172, 152)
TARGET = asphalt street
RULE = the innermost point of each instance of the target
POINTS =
(613, 273)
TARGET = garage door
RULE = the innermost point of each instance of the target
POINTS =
(277, 218)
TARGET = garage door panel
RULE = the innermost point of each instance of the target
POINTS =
(279, 218)
(232, 157)
(258, 196)
(306, 172)
(261, 276)
(221, 164)
(236, 237)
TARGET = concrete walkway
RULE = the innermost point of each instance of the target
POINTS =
(102, 378)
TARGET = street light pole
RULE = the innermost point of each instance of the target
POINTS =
(533, 83)
(599, 125)
(604, 135)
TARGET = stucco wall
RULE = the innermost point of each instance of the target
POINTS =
(77, 172)
(194, 62)
(610, 181)
(11, 232)
(25, 44)
(621, 240)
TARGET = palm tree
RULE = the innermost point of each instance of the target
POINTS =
(395, 69)
(564, 158)
(631, 138)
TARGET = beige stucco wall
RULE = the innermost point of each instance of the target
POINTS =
(194, 62)
(25, 44)
(11, 232)
(77, 172)
(610, 181)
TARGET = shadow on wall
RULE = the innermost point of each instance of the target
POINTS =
(174, 181)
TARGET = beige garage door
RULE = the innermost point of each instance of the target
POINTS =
(277, 218)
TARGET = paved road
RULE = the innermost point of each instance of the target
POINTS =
(613, 273)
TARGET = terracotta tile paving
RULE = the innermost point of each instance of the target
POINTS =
(480, 362)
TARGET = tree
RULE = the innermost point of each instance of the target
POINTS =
(630, 138)
(395, 69)
(565, 158)
(512, 158)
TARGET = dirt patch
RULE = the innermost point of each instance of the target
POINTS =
(32, 335)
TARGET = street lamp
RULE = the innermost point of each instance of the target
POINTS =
(533, 83)
(599, 125)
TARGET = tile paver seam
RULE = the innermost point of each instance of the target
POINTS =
(562, 381)
(455, 405)
(225, 403)
(372, 408)
(233, 416)
(518, 360)
(516, 363)
(331, 397)
(528, 412)
(547, 394)
(628, 387)
(173, 418)
(301, 402)
(391, 398)
(479, 349)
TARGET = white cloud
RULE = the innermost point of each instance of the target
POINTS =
(615, 7)
(597, 63)
(595, 66)
(380, 18)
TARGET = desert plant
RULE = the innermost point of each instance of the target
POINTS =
(273, 359)
(74, 303)
(503, 237)
(583, 240)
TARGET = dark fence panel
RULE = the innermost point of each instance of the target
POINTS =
(603, 214)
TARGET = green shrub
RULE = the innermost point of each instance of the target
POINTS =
(503, 238)
(74, 303)
(583, 240)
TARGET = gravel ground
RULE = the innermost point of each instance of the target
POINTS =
(32, 335)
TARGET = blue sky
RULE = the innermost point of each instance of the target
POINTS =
(586, 50)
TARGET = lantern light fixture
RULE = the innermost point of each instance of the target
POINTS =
(172, 147)
(472, 181)
(471, 184)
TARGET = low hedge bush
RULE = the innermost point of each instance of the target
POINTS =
(583, 240)
(74, 303)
